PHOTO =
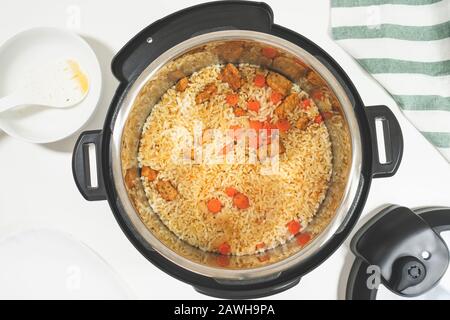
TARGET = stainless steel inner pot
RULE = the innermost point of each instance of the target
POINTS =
(184, 59)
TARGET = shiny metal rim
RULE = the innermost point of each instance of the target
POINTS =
(319, 242)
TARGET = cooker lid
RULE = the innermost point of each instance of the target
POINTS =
(404, 251)
(234, 32)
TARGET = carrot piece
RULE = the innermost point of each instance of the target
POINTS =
(260, 245)
(255, 125)
(223, 261)
(230, 191)
(241, 201)
(214, 205)
(283, 125)
(264, 258)
(253, 105)
(232, 99)
(269, 52)
(293, 226)
(306, 104)
(235, 134)
(269, 127)
(276, 97)
(260, 128)
(224, 248)
(260, 80)
(303, 238)
(318, 119)
(239, 112)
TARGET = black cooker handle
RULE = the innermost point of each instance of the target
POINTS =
(165, 33)
(393, 141)
(254, 291)
(81, 166)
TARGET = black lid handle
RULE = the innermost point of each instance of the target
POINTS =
(400, 253)
(407, 272)
(165, 33)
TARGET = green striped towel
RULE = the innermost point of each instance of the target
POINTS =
(404, 45)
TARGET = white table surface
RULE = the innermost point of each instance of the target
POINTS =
(36, 184)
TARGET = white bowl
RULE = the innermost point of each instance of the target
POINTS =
(27, 51)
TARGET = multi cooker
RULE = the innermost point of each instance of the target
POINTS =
(190, 40)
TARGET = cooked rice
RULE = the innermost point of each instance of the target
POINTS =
(296, 192)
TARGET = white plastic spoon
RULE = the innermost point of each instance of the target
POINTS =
(57, 85)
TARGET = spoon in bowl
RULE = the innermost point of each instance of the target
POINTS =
(59, 84)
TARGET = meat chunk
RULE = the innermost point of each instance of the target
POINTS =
(279, 83)
(335, 105)
(130, 178)
(208, 91)
(149, 173)
(230, 74)
(289, 67)
(230, 51)
(176, 75)
(314, 79)
(281, 148)
(182, 84)
(253, 55)
(302, 122)
(166, 190)
(287, 106)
